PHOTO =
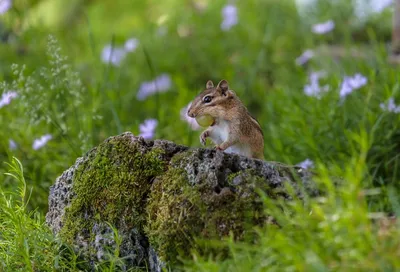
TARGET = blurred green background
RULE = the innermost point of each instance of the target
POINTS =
(109, 66)
(185, 42)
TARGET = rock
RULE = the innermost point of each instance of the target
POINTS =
(149, 200)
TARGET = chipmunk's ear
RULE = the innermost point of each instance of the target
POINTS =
(209, 84)
(223, 86)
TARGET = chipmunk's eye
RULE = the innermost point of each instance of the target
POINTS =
(207, 99)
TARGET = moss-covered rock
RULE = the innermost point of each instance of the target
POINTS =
(112, 185)
(180, 212)
(154, 201)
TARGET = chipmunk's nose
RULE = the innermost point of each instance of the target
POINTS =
(190, 114)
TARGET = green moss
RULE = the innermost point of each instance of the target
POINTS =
(183, 158)
(173, 215)
(113, 183)
(117, 182)
(232, 176)
(181, 215)
(235, 209)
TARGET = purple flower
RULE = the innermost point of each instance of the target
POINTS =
(5, 5)
(390, 106)
(379, 6)
(363, 10)
(191, 121)
(42, 141)
(306, 164)
(160, 84)
(7, 97)
(313, 88)
(324, 27)
(230, 17)
(131, 45)
(305, 57)
(12, 145)
(352, 83)
(113, 55)
(147, 128)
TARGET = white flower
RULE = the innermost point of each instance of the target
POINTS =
(7, 97)
(12, 145)
(42, 141)
(147, 128)
(113, 55)
(5, 5)
(200, 5)
(324, 27)
(229, 16)
(191, 121)
(131, 45)
(305, 57)
(352, 83)
(390, 106)
(313, 88)
(306, 164)
(160, 84)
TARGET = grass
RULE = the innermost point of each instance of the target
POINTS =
(26, 242)
(81, 100)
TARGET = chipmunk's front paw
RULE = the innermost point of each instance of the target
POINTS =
(203, 137)
(218, 147)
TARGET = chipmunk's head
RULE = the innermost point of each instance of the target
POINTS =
(212, 101)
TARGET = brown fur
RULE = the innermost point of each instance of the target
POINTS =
(225, 105)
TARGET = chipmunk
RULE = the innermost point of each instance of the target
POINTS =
(233, 130)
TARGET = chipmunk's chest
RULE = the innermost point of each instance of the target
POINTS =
(220, 131)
